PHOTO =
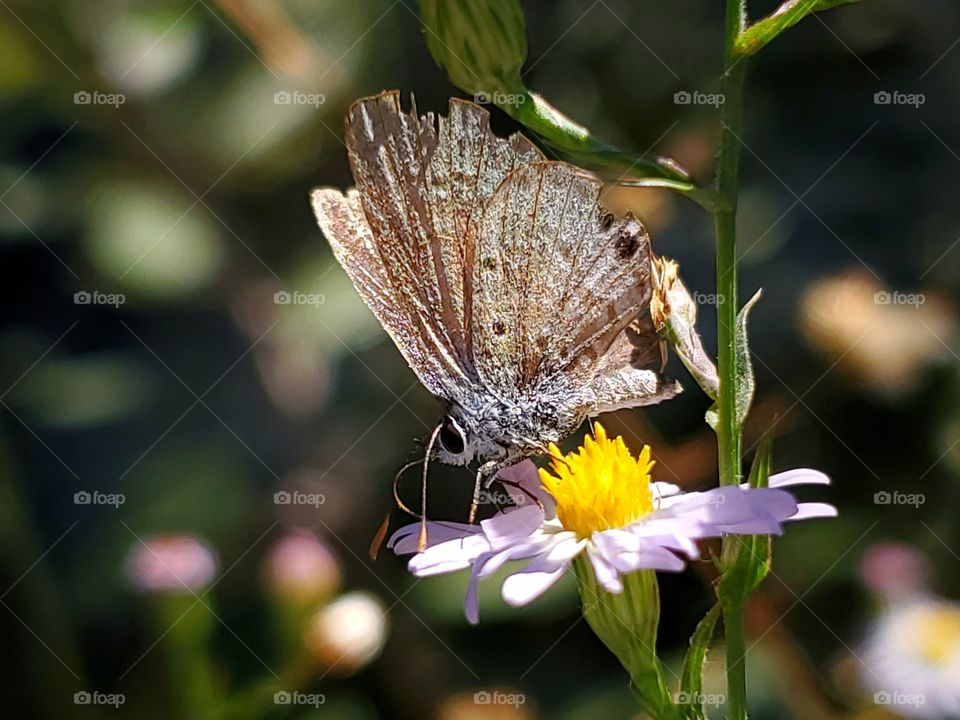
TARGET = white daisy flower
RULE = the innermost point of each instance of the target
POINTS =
(601, 503)
(911, 657)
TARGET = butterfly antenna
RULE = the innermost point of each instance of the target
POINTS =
(422, 542)
(377, 542)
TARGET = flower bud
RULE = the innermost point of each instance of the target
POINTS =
(627, 622)
(674, 315)
(481, 45)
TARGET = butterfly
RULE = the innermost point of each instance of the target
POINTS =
(515, 296)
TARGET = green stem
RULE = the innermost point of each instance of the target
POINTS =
(736, 662)
(762, 32)
(728, 430)
(725, 223)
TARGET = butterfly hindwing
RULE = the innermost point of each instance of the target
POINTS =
(557, 277)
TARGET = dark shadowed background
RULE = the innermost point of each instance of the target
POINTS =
(176, 334)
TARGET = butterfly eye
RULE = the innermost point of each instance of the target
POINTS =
(451, 437)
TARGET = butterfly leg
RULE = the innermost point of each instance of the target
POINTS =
(485, 475)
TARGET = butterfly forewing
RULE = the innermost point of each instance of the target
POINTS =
(341, 218)
(421, 181)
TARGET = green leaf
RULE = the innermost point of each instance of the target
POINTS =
(747, 562)
(762, 32)
(690, 697)
(745, 380)
(481, 46)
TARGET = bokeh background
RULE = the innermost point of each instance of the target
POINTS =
(153, 203)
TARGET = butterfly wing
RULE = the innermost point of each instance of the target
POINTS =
(630, 373)
(420, 184)
(340, 216)
(558, 279)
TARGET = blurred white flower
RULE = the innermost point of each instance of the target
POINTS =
(910, 660)
(349, 633)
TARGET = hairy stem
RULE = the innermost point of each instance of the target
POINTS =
(728, 430)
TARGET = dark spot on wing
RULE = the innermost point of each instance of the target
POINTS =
(488, 263)
(498, 327)
(626, 244)
(607, 220)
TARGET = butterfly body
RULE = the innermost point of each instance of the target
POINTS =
(517, 298)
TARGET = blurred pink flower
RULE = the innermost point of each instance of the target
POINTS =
(301, 568)
(176, 564)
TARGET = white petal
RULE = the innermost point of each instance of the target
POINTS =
(448, 556)
(471, 603)
(627, 552)
(494, 561)
(809, 510)
(762, 523)
(606, 573)
(521, 588)
(664, 489)
(420, 569)
(513, 526)
(524, 474)
(800, 476)
(406, 539)
(678, 542)
(650, 557)
(729, 507)
(565, 547)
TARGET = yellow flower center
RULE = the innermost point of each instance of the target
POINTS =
(601, 486)
(938, 634)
